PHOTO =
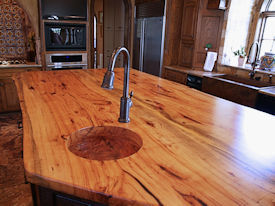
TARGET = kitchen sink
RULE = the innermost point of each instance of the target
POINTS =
(236, 89)
(245, 81)
(104, 143)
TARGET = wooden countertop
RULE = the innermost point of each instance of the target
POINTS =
(197, 149)
(193, 72)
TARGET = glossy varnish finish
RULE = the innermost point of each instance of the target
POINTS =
(197, 149)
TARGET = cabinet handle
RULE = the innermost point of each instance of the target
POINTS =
(2, 84)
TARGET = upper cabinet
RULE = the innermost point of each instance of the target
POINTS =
(114, 30)
(188, 32)
(188, 28)
(209, 30)
(201, 27)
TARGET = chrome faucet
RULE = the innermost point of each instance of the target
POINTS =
(108, 81)
(254, 62)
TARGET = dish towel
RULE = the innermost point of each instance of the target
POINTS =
(211, 57)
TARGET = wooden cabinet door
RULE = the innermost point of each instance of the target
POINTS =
(8, 96)
(189, 18)
(109, 13)
(209, 31)
(188, 32)
(119, 15)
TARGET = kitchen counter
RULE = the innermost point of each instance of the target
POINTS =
(7, 66)
(193, 72)
(197, 149)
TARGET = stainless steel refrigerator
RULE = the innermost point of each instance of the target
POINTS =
(148, 44)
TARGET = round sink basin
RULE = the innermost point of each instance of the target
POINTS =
(104, 143)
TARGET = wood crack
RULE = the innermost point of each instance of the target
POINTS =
(191, 198)
(144, 187)
(170, 172)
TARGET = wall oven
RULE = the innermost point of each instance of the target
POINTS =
(65, 36)
(66, 61)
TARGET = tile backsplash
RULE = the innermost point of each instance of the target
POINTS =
(13, 31)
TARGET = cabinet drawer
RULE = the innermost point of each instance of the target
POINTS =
(175, 76)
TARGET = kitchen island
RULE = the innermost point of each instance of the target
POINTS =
(196, 149)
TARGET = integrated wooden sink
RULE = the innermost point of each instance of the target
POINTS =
(245, 81)
(104, 143)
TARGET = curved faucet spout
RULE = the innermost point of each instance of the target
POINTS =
(125, 101)
(126, 60)
(254, 61)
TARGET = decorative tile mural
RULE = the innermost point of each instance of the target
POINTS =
(13, 38)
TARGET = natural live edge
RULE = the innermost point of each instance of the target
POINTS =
(197, 149)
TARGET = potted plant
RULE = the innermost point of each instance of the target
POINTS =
(241, 54)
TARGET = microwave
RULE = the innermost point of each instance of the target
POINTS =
(65, 36)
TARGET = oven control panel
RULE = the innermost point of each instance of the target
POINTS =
(66, 61)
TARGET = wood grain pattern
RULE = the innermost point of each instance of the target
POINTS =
(197, 149)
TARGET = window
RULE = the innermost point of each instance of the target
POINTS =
(267, 35)
(237, 29)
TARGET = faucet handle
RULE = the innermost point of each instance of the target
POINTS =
(131, 94)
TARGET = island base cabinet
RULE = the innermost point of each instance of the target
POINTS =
(8, 96)
(9, 101)
(47, 197)
(266, 103)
